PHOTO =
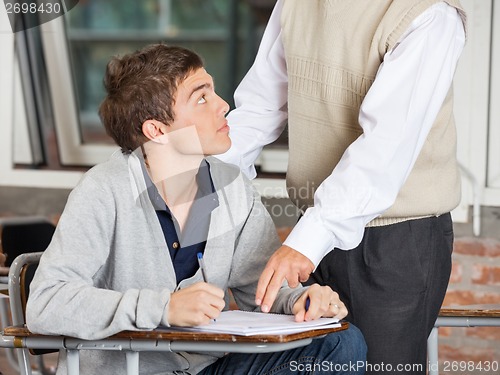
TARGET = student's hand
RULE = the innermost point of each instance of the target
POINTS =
(285, 263)
(323, 302)
(195, 305)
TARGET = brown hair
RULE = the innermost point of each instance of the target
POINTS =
(142, 86)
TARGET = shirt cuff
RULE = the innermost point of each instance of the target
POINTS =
(310, 238)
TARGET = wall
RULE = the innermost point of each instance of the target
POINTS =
(18, 201)
(475, 279)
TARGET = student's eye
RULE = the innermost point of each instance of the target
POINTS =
(202, 100)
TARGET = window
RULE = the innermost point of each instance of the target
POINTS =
(477, 90)
(493, 180)
(77, 47)
(99, 29)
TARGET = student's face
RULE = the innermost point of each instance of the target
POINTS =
(199, 117)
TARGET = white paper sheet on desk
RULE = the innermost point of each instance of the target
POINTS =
(248, 323)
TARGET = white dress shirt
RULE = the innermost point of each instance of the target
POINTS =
(396, 116)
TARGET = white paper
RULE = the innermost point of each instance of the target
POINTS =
(247, 323)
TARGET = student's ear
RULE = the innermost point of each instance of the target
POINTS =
(154, 130)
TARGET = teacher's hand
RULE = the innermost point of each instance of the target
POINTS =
(285, 263)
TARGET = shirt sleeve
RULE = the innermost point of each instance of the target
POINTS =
(250, 257)
(260, 115)
(396, 116)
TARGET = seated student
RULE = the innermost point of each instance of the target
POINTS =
(123, 256)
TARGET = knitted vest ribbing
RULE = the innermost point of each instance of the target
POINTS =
(333, 50)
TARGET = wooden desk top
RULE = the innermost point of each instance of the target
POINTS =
(172, 335)
(483, 311)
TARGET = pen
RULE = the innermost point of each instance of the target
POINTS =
(308, 302)
(202, 267)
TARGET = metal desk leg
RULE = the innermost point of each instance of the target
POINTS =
(432, 352)
(5, 322)
(73, 361)
(132, 362)
(24, 362)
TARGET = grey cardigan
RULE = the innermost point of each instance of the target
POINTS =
(108, 268)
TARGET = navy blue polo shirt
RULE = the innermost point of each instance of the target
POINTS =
(184, 245)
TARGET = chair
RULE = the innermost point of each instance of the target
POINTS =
(24, 235)
(21, 274)
(18, 236)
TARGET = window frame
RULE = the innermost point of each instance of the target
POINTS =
(493, 177)
(72, 150)
(9, 175)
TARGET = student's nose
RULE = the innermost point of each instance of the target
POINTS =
(224, 106)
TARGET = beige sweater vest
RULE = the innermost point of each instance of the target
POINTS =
(333, 50)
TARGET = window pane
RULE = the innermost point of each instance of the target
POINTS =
(97, 29)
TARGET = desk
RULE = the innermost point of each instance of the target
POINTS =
(4, 277)
(5, 321)
(4, 306)
(461, 316)
(133, 342)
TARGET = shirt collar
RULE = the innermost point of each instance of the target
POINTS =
(206, 189)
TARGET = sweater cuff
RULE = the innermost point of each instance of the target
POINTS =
(164, 318)
(151, 308)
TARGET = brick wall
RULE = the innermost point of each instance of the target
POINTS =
(475, 279)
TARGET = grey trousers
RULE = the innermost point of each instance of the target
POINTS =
(393, 285)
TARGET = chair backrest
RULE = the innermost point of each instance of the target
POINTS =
(21, 274)
(28, 236)
(25, 278)
(19, 285)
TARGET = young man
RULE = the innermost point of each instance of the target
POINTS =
(365, 88)
(124, 253)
